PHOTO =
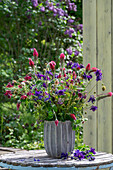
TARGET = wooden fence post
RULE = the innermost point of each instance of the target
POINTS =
(98, 50)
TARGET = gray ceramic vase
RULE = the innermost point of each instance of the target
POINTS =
(58, 139)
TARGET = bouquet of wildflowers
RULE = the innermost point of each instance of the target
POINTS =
(57, 94)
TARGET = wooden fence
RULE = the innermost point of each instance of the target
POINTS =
(98, 50)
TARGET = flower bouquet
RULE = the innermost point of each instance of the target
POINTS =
(58, 94)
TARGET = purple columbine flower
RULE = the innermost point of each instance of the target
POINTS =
(76, 53)
(49, 72)
(42, 9)
(44, 85)
(37, 93)
(64, 155)
(81, 66)
(69, 51)
(98, 75)
(89, 77)
(92, 99)
(75, 65)
(93, 108)
(61, 92)
(92, 150)
(46, 99)
(78, 154)
(70, 63)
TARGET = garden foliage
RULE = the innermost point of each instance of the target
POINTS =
(49, 26)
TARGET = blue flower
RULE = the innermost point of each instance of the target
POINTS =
(93, 108)
(92, 99)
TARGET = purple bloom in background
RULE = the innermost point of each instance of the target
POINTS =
(92, 99)
(76, 53)
(70, 21)
(57, 4)
(98, 75)
(47, 98)
(42, 9)
(59, 101)
(40, 23)
(93, 108)
(35, 3)
(69, 51)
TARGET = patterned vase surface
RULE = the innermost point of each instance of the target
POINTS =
(58, 139)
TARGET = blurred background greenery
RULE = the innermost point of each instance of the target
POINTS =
(24, 26)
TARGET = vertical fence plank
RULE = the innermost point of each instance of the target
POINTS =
(89, 56)
(112, 62)
(104, 63)
(98, 50)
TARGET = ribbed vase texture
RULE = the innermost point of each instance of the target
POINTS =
(58, 139)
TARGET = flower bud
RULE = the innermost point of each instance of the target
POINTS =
(103, 88)
(56, 122)
(73, 116)
(62, 56)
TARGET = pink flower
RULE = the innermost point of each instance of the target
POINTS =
(94, 69)
(9, 85)
(56, 122)
(88, 67)
(23, 97)
(73, 116)
(31, 63)
(64, 74)
(62, 56)
(8, 93)
(29, 93)
(59, 76)
(35, 53)
(74, 75)
(20, 86)
(18, 106)
(52, 65)
(27, 77)
(110, 94)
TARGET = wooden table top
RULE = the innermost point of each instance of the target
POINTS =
(39, 158)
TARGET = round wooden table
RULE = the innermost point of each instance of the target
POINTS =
(38, 159)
